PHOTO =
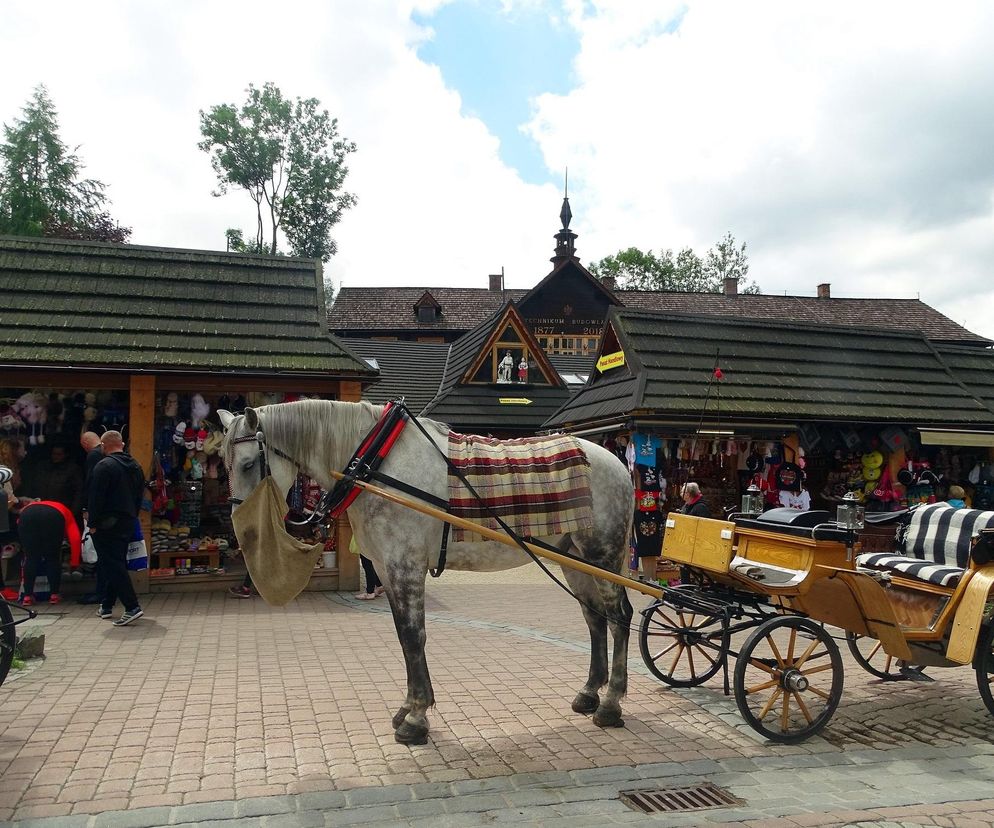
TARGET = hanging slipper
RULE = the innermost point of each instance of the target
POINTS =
(201, 437)
(179, 433)
(189, 438)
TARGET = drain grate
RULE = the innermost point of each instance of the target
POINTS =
(688, 798)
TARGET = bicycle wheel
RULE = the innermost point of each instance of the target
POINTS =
(8, 639)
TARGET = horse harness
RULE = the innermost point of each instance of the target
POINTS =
(362, 467)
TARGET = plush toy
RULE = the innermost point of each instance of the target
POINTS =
(199, 409)
(32, 407)
(10, 422)
(170, 406)
(89, 409)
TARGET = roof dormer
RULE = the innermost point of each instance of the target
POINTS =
(427, 309)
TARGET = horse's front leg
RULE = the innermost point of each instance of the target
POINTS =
(406, 592)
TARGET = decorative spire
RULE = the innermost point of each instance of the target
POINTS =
(565, 238)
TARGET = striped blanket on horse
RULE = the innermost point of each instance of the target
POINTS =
(539, 486)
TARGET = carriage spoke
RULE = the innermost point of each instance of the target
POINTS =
(704, 653)
(769, 704)
(803, 706)
(667, 650)
(790, 645)
(776, 651)
(807, 653)
(677, 659)
(760, 664)
(820, 669)
(690, 661)
(818, 692)
(785, 715)
(766, 685)
(875, 650)
(668, 620)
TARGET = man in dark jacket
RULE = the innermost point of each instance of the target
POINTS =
(693, 501)
(90, 443)
(115, 494)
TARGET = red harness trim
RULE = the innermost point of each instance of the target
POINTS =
(370, 463)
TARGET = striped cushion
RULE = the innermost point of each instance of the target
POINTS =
(947, 576)
(941, 534)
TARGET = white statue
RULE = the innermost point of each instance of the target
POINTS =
(505, 367)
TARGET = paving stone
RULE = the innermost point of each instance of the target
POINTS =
(359, 797)
(201, 812)
(141, 818)
(262, 805)
(320, 800)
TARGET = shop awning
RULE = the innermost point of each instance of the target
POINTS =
(951, 437)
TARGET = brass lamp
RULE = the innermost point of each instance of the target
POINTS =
(752, 500)
(850, 514)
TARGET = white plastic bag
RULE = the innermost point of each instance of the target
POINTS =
(88, 549)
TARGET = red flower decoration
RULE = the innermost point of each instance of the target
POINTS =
(718, 374)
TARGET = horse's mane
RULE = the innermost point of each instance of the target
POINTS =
(324, 432)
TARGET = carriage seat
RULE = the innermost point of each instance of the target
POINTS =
(816, 524)
(932, 544)
(914, 568)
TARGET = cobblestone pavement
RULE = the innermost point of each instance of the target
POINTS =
(217, 711)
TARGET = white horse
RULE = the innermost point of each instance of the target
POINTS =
(403, 543)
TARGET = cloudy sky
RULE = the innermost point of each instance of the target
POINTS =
(849, 143)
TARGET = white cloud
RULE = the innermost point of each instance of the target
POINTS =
(846, 143)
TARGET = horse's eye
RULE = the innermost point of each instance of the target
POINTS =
(247, 465)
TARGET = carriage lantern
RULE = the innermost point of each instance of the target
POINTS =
(850, 513)
(752, 500)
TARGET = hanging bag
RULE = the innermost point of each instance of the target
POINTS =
(137, 551)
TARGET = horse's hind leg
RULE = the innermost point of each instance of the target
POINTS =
(584, 587)
(619, 611)
(406, 591)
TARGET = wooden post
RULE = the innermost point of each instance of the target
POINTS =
(141, 439)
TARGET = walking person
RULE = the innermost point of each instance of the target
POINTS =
(115, 496)
(90, 443)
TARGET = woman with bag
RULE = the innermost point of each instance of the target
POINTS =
(42, 527)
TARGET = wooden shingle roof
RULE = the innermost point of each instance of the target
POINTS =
(889, 314)
(412, 370)
(95, 305)
(773, 371)
(390, 308)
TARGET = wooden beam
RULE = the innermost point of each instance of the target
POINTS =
(141, 439)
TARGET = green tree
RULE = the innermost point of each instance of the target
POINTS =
(41, 191)
(289, 157)
(634, 269)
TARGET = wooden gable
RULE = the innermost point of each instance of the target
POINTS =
(509, 344)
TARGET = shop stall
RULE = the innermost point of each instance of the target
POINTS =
(152, 342)
(804, 412)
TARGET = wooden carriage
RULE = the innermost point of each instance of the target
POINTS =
(784, 577)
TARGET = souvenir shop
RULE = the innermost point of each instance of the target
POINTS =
(887, 467)
(176, 436)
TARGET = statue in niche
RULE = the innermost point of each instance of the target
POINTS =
(523, 370)
(504, 368)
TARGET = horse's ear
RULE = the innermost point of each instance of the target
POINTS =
(252, 418)
(226, 418)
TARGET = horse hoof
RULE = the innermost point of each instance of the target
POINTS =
(399, 716)
(584, 703)
(608, 718)
(408, 734)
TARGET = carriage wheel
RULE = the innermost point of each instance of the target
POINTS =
(8, 639)
(788, 679)
(682, 648)
(869, 654)
(984, 665)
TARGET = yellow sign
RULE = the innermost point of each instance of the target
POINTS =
(609, 361)
(514, 401)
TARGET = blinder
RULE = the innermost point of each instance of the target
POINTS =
(259, 438)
